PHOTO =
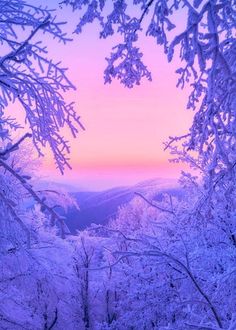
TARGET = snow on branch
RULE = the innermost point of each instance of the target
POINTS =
(27, 75)
(13, 147)
(55, 217)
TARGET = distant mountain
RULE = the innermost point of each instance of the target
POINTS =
(99, 207)
(45, 184)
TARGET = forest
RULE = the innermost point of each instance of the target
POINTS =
(164, 260)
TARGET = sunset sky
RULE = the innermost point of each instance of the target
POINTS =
(125, 128)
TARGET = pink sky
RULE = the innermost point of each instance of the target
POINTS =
(125, 128)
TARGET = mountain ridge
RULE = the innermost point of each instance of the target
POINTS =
(99, 207)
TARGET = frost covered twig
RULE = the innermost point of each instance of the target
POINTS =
(14, 214)
(13, 147)
(54, 215)
(154, 205)
(27, 75)
(155, 253)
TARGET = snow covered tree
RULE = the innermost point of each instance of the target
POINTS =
(179, 270)
(32, 81)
